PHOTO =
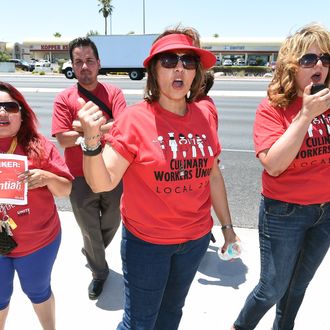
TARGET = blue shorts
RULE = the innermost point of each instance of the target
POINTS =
(34, 273)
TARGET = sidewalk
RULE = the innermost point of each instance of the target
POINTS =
(215, 298)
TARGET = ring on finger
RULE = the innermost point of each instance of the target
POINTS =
(96, 117)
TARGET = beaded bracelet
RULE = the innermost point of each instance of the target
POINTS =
(227, 226)
(85, 147)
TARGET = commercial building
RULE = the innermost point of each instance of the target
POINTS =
(50, 49)
(259, 50)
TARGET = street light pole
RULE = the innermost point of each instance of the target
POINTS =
(110, 23)
(144, 16)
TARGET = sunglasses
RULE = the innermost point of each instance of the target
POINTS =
(170, 61)
(10, 107)
(310, 60)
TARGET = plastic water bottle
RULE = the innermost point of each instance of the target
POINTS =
(233, 251)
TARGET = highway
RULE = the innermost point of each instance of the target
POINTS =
(236, 101)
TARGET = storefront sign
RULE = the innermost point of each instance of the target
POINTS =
(53, 47)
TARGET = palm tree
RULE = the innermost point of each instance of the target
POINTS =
(106, 11)
(92, 33)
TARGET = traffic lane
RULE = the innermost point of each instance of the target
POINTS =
(60, 82)
(57, 81)
(236, 117)
(239, 84)
(242, 175)
(42, 105)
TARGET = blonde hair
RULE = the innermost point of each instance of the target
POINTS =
(283, 90)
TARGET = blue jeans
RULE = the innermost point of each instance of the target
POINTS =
(293, 242)
(157, 280)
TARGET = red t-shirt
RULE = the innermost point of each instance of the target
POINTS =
(304, 181)
(66, 107)
(166, 197)
(37, 222)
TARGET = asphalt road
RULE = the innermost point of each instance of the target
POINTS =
(236, 101)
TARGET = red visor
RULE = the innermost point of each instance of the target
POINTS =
(173, 42)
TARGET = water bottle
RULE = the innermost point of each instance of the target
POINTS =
(233, 251)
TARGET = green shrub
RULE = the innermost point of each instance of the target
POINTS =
(4, 57)
(60, 63)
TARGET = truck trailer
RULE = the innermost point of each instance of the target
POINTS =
(120, 53)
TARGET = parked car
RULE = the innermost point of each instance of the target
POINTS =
(252, 62)
(32, 65)
(227, 62)
(239, 62)
(21, 64)
(272, 65)
(42, 64)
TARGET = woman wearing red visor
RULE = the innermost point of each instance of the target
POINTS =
(166, 149)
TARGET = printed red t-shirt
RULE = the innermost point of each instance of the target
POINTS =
(66, 107)
(37, 222)
(166, 197)
(304, 181)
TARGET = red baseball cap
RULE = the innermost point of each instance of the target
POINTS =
(179, 41)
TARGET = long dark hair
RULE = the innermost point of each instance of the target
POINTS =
(27, 136)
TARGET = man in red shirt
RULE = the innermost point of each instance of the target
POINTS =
(97, 214)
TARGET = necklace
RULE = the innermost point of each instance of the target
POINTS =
(12, 147)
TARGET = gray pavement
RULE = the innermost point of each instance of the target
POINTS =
(215, 298)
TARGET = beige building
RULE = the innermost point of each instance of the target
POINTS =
(50, 49)
(262, 50)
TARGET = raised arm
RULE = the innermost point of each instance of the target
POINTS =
(277, 159)
(103, 170)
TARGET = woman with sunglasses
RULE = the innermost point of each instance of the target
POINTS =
(34, 226)
(166, 150)
(292, 142)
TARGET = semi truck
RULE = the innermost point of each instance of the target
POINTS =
(119, 53)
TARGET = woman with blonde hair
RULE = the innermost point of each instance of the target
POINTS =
(292, 142)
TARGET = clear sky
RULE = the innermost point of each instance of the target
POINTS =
(40, 19)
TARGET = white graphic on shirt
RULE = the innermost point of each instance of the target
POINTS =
(190, 159)
(315, 149)
(173, 145)
(161, 141)
(186, 146)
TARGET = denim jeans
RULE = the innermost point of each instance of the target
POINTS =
(293, 242)
(157, 280)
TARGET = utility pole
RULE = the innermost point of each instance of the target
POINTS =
(144, 16)
(110, 23)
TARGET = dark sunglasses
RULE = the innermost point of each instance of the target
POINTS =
(10, 107)
(310, 60)
(170, 61)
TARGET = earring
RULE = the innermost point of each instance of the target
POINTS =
(188, 94)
